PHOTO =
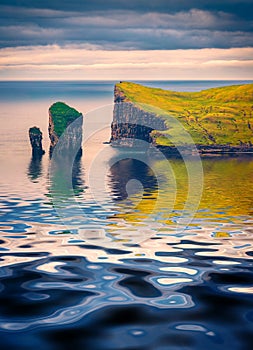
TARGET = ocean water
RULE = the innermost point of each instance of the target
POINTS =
(119, 250)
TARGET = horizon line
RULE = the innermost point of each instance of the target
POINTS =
(121, 80)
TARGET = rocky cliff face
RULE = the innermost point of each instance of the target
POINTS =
(35, 136)
(65, 128)
(52, 135)
(131, 123)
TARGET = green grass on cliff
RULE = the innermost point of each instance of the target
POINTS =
(62, 116)
(222, 116)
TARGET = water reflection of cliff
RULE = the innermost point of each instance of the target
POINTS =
(227, 189)
(66, 177)
(34, 170)
(77, 175)
(125, 170)
(134, 187)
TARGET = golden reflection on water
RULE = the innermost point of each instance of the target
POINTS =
(227, 191)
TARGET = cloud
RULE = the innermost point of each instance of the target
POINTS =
(124, 29)
(243, 7)
(82, 62)
(118, 39)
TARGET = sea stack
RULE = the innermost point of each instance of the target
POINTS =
(65, 129)
(35, 136)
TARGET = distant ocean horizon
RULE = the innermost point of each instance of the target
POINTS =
(95, 89)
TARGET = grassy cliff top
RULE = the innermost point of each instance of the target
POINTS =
(222, 115)
(62, 115)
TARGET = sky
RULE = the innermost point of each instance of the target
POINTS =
(126, 40)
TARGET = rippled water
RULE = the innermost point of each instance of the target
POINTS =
(127, 273)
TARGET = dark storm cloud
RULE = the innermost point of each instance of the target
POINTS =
(161, 24)
(243, 7)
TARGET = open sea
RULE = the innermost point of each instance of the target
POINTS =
(119, 251)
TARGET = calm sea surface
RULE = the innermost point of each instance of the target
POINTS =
(119, 250)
